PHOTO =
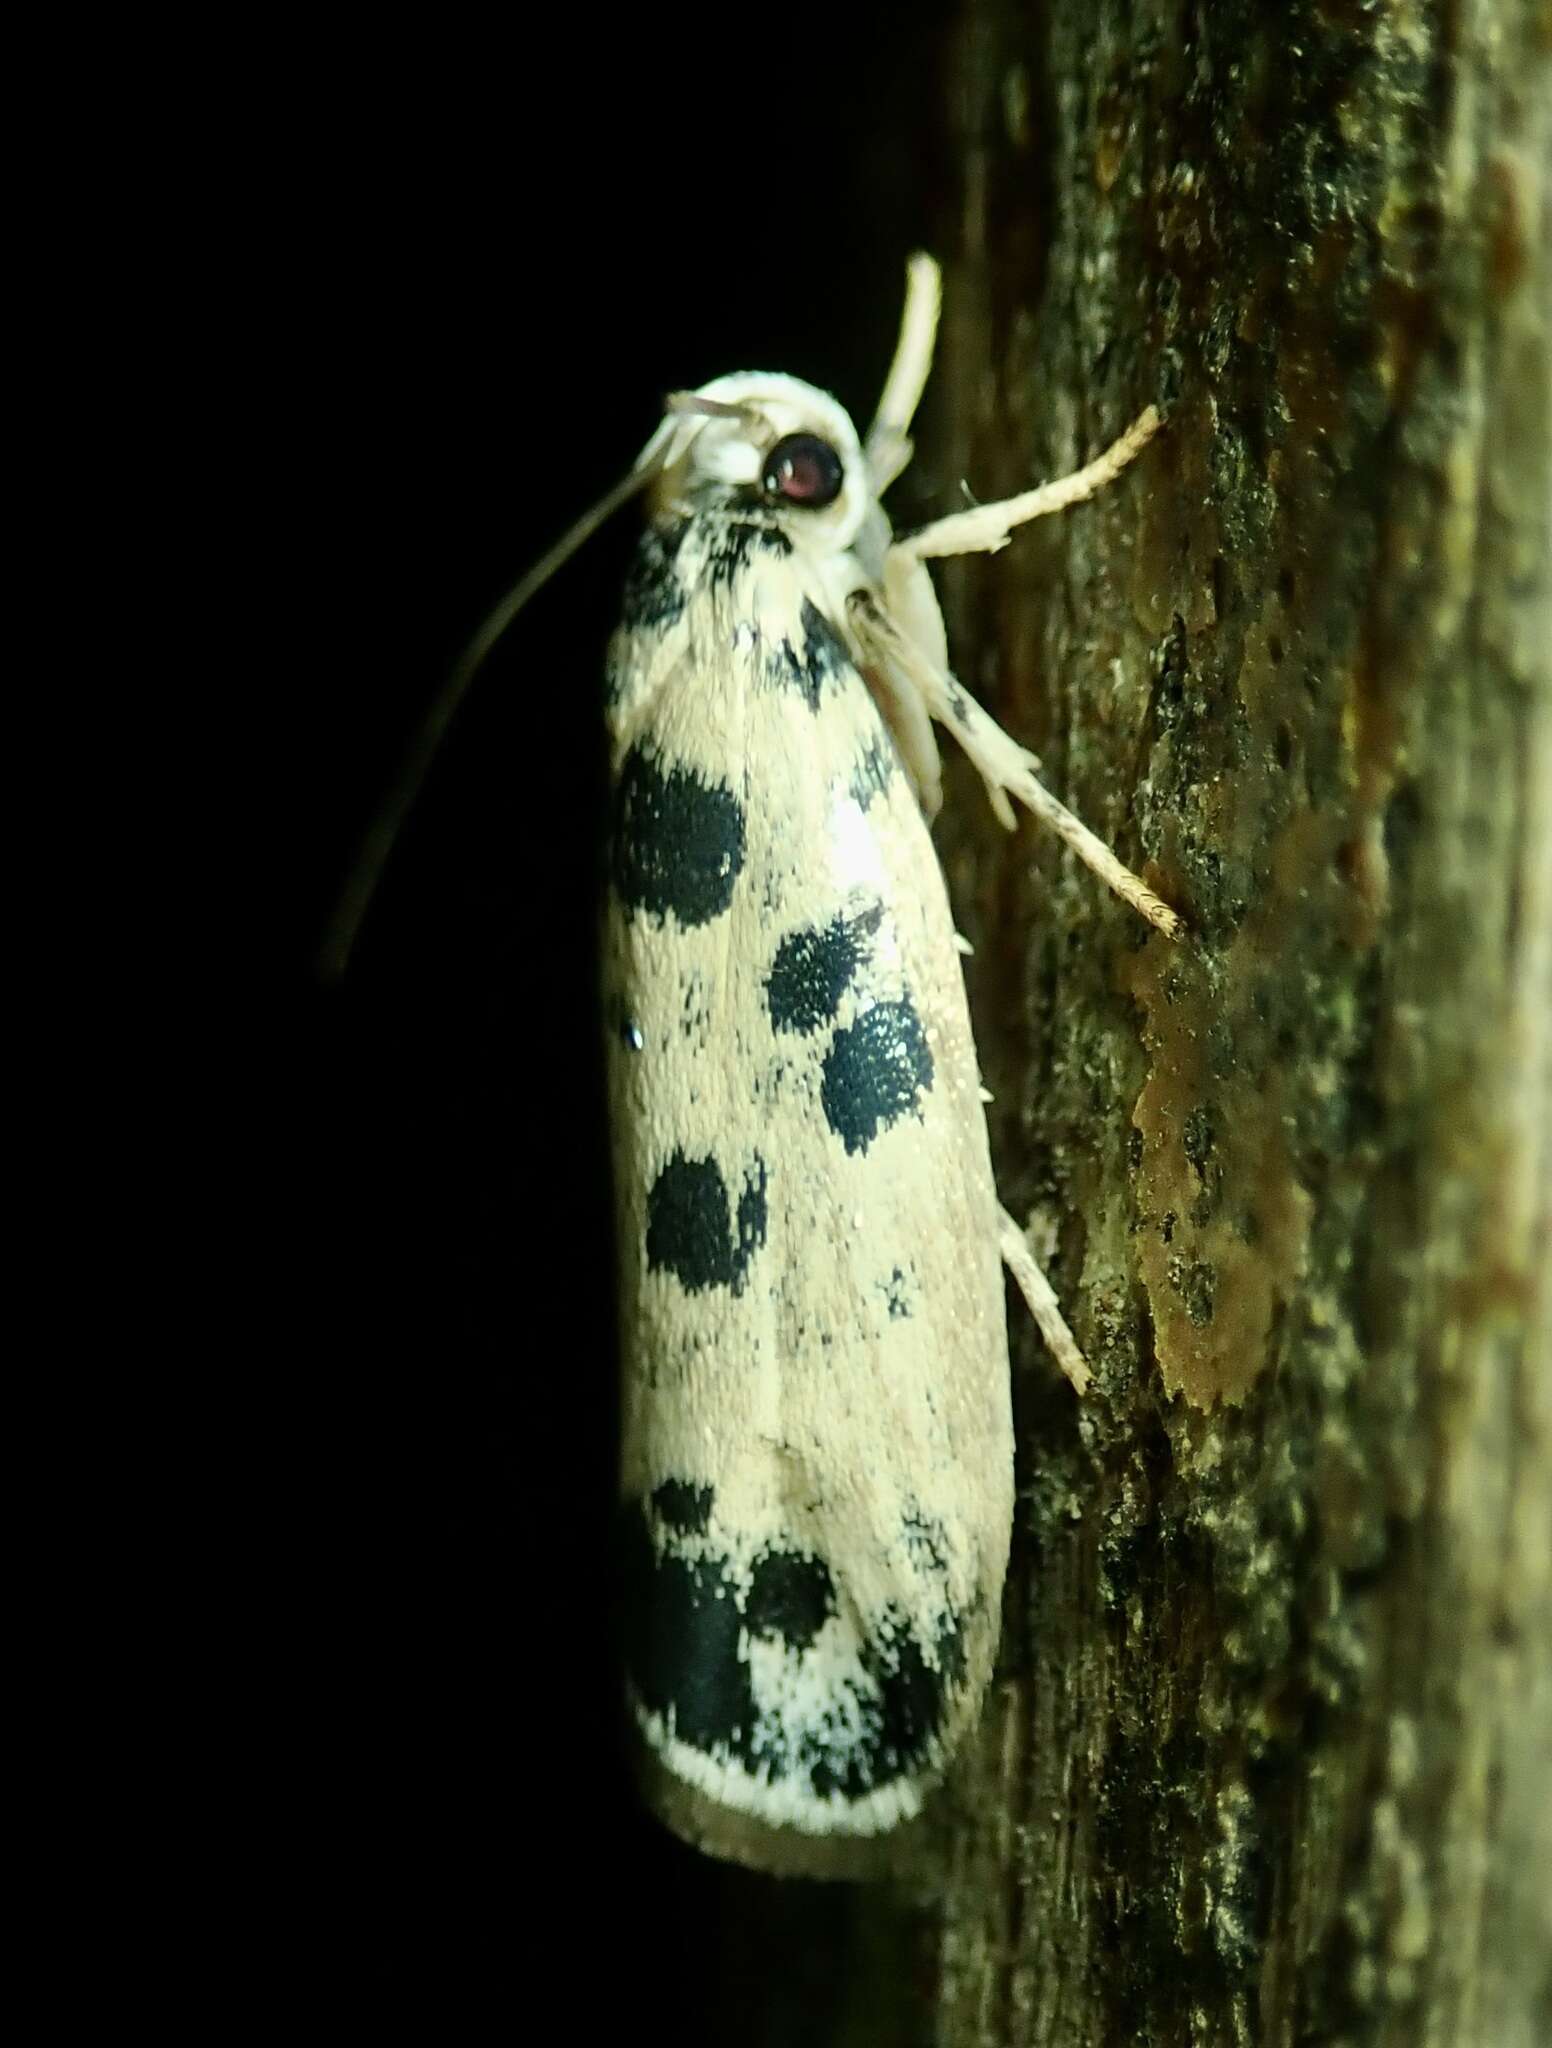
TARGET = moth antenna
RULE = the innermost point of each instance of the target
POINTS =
(381, 835)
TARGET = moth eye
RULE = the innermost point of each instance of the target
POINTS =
(805, 469)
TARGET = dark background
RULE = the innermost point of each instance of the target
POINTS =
(483, 260)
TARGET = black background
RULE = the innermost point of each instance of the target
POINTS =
(482, 258)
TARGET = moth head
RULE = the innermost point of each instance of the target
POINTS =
(759, 443)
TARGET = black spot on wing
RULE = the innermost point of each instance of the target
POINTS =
(914, 1692)
(875, 1072)
(813, 968)
(791, 1596)
(873, 771)
(678, 842)
(897, 1296)
(694, 1009)
(683, 1506)
(736, 544)
(688, 1631)
(820, 657)
(925, 1540)
(654, 595)
(689, 1232)
(904, 1717)
(751, 1220)
(682, 1629)
(828, 653)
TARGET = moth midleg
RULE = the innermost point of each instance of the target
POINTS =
(1006, 768)
(1043, 1306)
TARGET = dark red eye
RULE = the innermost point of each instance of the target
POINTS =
(804, 469)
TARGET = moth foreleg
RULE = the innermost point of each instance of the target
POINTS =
(888, 447)
(1043, 1306)
(986, 528)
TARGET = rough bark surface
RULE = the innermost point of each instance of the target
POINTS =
(1271, 1761)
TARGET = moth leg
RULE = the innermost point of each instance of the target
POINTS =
(909, 720)
(1043, 1306)
(888, 446)
(986, 528)
(1006, 768)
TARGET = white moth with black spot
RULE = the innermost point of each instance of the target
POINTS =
(818, 1453)
(817, 1469)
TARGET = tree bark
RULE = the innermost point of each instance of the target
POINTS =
(1270, 1761)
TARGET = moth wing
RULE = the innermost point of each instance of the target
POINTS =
(817, 1462)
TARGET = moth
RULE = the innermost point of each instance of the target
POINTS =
(817, 1467)
(817, 1482)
